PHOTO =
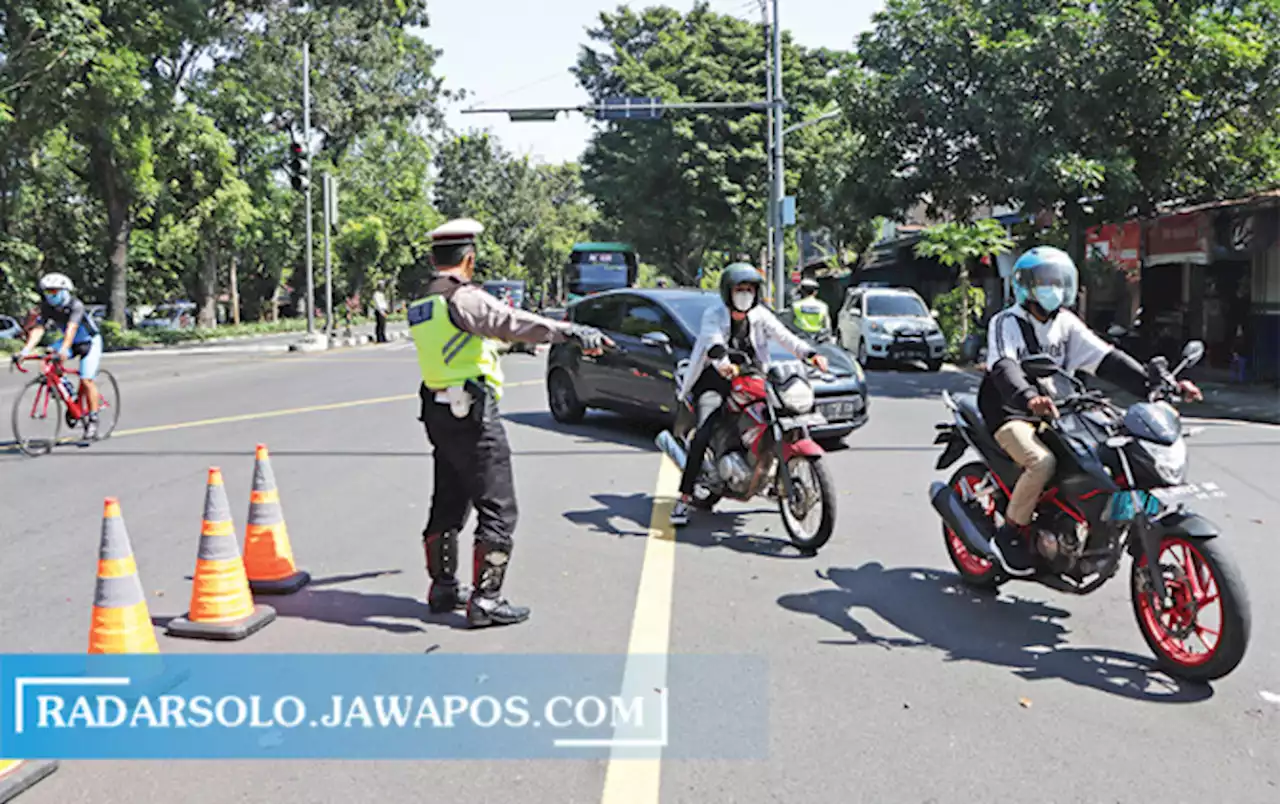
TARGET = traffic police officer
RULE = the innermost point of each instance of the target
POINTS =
(456, 328)
(811, 313)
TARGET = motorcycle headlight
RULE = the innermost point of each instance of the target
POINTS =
(1170, 462)
(796, 397)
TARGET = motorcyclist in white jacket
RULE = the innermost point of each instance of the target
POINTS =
(743, 324)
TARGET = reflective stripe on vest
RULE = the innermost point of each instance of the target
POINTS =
(448, 356)
(810, 315)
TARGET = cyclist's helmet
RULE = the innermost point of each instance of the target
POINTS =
(737, 274)
(1046, 275)
(56, 288)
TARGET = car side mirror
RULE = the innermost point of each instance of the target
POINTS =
(933, 312)
(1193, 353)
(716, 352)
(1039, 366)
(658, 340)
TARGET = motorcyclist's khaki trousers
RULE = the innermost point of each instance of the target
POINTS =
(1019, 439)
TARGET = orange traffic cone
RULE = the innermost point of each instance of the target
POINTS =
(268, 556)
(121, 622)
(17, 775)
(222, 606)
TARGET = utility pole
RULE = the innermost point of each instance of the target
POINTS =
(779, 231)
(771, 213)
(327, 201)
(306, 182)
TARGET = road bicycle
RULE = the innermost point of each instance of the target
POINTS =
(53, 398)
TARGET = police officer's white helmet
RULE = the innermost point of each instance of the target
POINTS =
(56, 281)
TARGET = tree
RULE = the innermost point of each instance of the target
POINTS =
(956, 245)
(692, 182)
(1098, 109)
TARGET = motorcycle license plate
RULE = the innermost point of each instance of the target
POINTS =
(1171, 495)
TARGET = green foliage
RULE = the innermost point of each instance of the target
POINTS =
(115, 338)
(952, 318)
(692, 182)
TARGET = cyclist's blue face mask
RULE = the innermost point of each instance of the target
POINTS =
(57, 298)
(1050, 297)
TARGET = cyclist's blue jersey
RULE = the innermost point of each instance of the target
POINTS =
(62, 316)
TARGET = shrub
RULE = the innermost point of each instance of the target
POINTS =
(948, 307)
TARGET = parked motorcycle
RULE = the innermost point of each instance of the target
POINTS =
(1120, 487)
(762, 447)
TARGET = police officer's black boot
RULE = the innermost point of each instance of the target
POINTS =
(445, 593)
(487, 606)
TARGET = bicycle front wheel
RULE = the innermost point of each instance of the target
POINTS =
(37, 418)
(108, 404)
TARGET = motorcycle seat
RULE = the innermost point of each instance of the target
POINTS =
(968, 405)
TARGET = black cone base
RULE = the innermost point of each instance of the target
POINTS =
(237, 629)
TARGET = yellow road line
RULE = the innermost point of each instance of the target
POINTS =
(638, 781)
(268, 414)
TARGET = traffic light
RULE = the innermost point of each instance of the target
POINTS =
(298, 167)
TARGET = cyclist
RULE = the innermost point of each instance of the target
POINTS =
(80, 336)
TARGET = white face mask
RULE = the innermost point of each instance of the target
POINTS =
(743, 300)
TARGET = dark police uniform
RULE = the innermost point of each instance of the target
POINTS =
(456, 328)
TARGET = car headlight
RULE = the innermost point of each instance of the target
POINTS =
(874, 327)
(797, 397)
(1170, 462)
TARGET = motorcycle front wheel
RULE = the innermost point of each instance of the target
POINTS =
(810, 516)
(1202, 633)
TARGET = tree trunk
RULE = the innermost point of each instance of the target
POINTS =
(118, 228)
(207, 290)
(235, 289)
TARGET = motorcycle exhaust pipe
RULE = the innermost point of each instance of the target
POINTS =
(973, 530)
(671, 447)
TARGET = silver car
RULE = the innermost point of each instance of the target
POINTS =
(892, 324)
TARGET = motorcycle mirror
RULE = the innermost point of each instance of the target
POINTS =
(1037, 366)
(1193, 352)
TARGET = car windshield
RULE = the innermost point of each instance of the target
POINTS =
(895, 304)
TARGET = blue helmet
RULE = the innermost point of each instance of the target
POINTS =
(1046, 275)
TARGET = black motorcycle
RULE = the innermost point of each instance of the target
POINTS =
(1120, 487)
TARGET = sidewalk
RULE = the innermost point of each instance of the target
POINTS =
(276, 342)
(1248, 403)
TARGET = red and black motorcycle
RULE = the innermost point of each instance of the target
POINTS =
(762, 447)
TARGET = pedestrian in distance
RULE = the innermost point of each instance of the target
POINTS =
(456, 328)
(380, 310)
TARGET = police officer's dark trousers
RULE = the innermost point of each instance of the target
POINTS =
(472, 470)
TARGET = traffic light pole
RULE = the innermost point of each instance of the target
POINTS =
(306, 188)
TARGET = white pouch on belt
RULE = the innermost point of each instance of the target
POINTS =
(460, 401)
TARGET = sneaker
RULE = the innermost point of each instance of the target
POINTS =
(1011, 549)
(91, 430)
(680, 514)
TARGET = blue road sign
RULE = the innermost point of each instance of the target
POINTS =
(622, 108)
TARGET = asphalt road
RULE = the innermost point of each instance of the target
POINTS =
(887, 682)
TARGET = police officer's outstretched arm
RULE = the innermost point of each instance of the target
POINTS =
(478, 312)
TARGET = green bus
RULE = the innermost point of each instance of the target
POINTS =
(595, 267)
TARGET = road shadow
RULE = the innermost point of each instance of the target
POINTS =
(596, 427)
(318, 602)
(715, 529)
(934, 610)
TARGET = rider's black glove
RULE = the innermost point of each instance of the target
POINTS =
(589, 338)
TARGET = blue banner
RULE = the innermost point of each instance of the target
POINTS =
(352, 706)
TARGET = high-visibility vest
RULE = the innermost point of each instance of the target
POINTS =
(810, 314)
(449, 356)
